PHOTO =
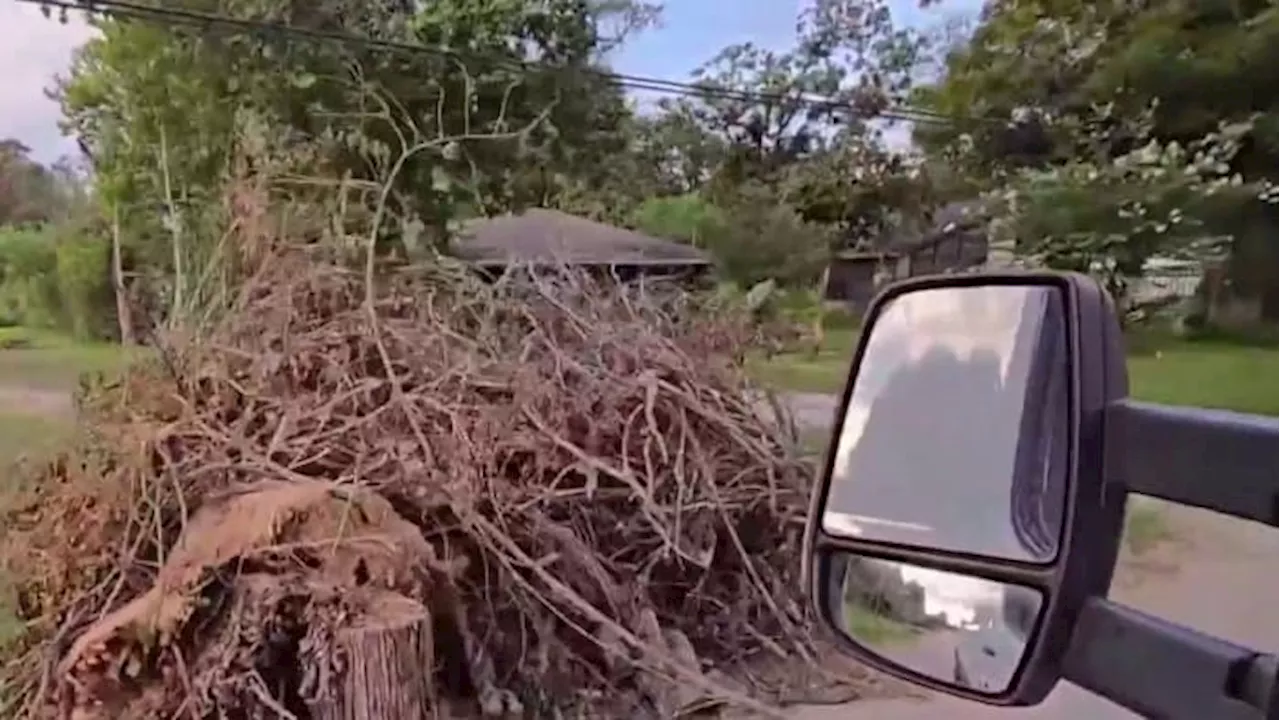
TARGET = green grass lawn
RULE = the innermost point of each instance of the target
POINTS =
(1199, 374)
(1210, 375)
(823, 371)
(873, 628)
(42, 363)
(45, 361)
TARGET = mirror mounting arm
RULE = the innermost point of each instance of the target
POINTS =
(1162, 670)
(1213, 459)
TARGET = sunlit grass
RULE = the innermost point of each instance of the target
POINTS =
(39, 360)
(872, 628)
(822, 371)
(1197, 374)
(1209, 375)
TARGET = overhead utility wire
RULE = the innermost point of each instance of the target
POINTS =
(170, 16)
(189, 18)
(121, 8)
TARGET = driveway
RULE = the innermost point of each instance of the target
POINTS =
(812, 409)
(809, 410)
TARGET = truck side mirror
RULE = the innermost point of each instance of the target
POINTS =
(962, 520)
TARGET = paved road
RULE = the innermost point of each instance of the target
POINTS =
(932, 653)
(813, 410)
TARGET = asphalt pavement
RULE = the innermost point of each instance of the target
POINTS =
(811, 409)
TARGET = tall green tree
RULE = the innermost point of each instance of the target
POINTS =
(1072, 90)
(505, 109)
(800, 122)
(29, 191)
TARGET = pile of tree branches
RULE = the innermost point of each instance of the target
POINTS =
(541, 495)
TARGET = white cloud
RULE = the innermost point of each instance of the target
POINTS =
(33, 49)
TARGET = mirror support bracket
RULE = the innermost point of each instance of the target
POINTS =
(1163, 670)
(1213, 459)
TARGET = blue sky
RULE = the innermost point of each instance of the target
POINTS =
(33, 49)
(693, 31)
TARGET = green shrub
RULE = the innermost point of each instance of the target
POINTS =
(56, 278)
(768, 240)
(757, 239)
(84, 286)
(28, 287)
(839, 316)
(685, 218)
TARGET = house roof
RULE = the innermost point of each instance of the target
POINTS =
(547, 236)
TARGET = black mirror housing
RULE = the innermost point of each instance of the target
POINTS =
(1080, 563)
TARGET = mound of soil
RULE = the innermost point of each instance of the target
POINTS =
(540, 497)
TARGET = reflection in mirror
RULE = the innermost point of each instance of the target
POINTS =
(967, 631)
(955, 434)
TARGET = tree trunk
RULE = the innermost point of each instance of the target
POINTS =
(820, 321)
(390, 664)
(173, 221)
(124, 309)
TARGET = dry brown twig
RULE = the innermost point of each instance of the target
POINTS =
(573, 482)
(565, 481)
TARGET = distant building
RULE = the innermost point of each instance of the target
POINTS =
(552, 238)
(854, 277)
(956, 241)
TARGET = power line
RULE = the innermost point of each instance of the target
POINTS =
(137, 11)
(178, 17)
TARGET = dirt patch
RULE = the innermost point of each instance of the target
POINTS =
(35, 401)
(1137, 569)
(1153, 545)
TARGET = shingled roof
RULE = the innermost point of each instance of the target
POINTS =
(542, 236)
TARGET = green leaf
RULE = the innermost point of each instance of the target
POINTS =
(441, 181)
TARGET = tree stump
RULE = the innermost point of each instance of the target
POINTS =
(389, 668)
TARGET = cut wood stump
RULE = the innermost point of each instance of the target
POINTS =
(389, 664)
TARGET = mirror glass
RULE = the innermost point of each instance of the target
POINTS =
(955, 436)
(966, 631)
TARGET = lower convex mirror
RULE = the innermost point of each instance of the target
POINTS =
(957, 629)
